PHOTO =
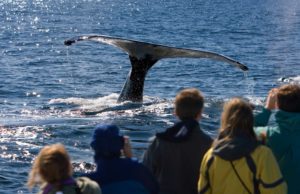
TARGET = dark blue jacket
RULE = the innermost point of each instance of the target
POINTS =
(123, 175)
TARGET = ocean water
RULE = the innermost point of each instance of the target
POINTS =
(45, 87)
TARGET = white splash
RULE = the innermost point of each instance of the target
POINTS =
(89, 104)
(295, 80)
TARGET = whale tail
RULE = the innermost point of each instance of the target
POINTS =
(143, 56)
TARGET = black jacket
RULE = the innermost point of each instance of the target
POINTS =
(175, 156)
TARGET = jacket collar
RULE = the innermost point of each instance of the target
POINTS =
(179, 132)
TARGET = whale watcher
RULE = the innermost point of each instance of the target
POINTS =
(174, 156)
(237, 162)
(117, 172)
(283, 136)
(52, 170)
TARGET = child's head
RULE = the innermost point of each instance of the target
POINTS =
(189, 104)
(237, 119)
(52, 165)
(288, 98)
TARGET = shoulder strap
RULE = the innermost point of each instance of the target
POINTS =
(252, 167)
(239, 177)
(47, 189)
(77, 189)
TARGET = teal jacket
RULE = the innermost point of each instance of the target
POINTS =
(284, 140)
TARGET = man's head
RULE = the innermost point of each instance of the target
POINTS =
(288, 98)
(189, 104)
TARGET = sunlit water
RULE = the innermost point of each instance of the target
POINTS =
(45, 87)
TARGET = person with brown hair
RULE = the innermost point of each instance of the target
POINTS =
(237, 163)
(284, 136)
(52, 170)
(174, 156)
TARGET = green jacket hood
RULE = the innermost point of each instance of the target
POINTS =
(235, 148)
(288, 120)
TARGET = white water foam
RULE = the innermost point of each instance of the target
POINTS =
(295, 79)
(108, 105)
(90, 104)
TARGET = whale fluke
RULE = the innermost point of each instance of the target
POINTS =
(143, 56)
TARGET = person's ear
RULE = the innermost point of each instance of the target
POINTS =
(174, 113)
(199, 115)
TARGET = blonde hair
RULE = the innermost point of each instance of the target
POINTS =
(288, 98)
(237, 119)
(188, 103)
(52, 165)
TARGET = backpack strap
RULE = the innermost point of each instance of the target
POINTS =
(77, 189)
(207, 186)
(252, 167)
(47, 189)
(239, 177)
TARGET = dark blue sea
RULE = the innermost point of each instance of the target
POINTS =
(46, 87)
